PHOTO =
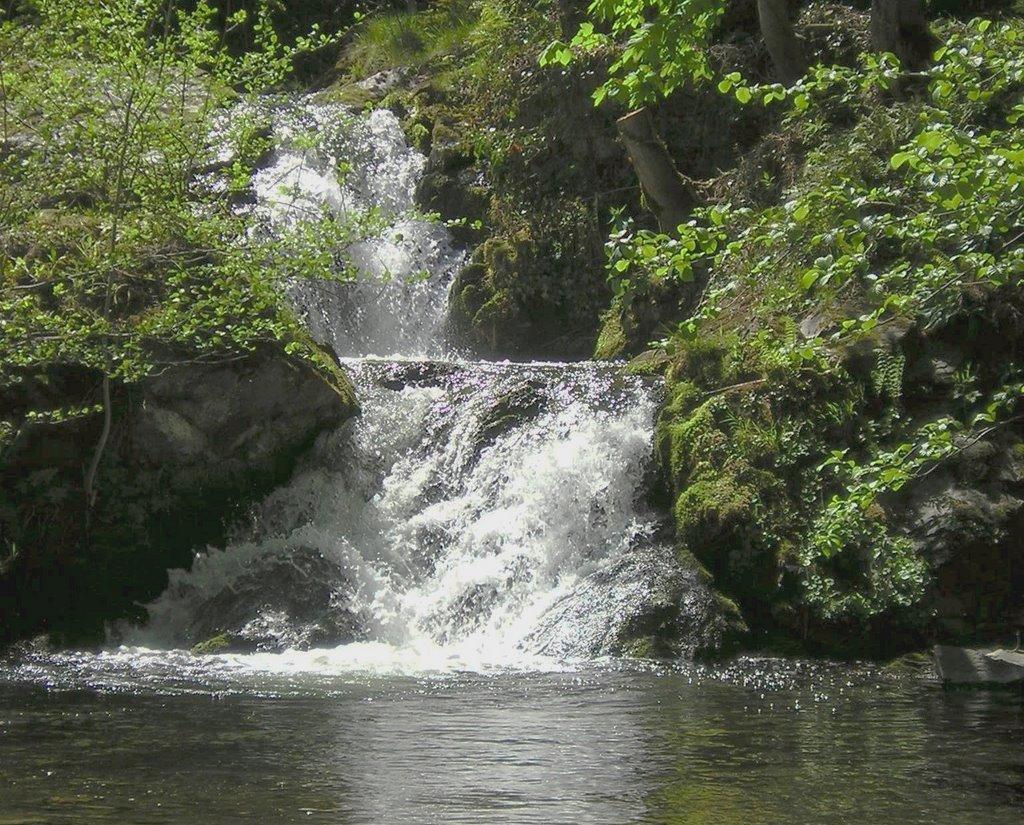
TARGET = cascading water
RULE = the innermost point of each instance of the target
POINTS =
(476, 514)
(350, 166)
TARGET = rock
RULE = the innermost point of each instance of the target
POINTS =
(521, 403)
(969, 666)
(917, 664)
(461, 197)
(454, 187)
(296, 600)
(191, 448)
(813, 325)
(649, 603)
(396, 375)
(967, 520)
(210, 647)
(447, 154)
(234, 418)
(650, 362)
(383, 83)
(935, 364)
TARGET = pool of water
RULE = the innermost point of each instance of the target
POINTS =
(171, 738)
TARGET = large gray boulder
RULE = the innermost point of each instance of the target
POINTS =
(190, 450)
(969, 666)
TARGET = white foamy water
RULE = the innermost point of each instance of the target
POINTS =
(475, 516)
(467, 505)
(358, 169)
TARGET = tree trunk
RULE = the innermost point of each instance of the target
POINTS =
(900, 27)
(97, 456)
(570, 15)
(787, 50)
(666, 191)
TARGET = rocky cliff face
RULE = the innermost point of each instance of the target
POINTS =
(967, 519)
(190, 449)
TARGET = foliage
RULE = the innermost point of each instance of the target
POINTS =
(409, 38)
(663, 46)
(122, 250)
(906, 216)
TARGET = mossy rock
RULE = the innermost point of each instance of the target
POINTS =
(650, 363)
(212, 646)
(646, 647)
(917, 664)
(611, 341)
(192, 448)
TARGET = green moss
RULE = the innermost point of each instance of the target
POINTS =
(650, 363)
(212, 646)
(302, 346)
(916, 663)
(418, 135)
(611, 341)
(347, 93)
(709, 506)
(647, 647)
(689, 442)
(497, 312)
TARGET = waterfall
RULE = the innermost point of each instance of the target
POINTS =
(476, 514)
(351, 166)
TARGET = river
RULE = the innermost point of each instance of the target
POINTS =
(136, 738)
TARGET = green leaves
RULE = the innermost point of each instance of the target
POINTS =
(654, 257)
(659, 46)
(117, 257)
(556, 54)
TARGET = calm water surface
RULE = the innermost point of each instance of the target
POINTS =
(126, 739)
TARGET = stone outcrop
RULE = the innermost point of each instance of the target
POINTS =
(191, 448)
(967, 519)
(298, 601)
(968, 666)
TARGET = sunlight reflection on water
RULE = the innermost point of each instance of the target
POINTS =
(176, 738)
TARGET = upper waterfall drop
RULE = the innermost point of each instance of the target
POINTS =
(358, 167)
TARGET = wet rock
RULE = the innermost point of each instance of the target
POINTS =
(648, 603)
(462, 198)
(298, 600)
(453, 186)
(396, 375)
(509, 411)
(968, 666)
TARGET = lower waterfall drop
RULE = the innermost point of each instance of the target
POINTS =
(475, 514)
